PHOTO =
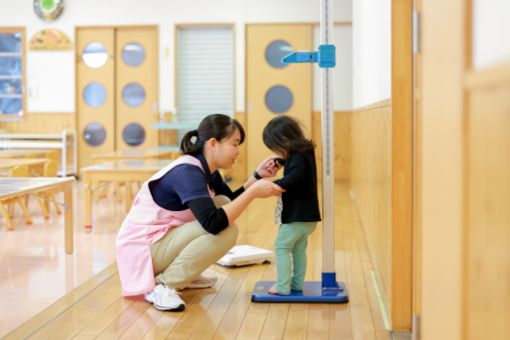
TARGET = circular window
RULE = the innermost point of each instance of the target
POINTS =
(133, 94)
(275, 51)
(94, 134)
(94, 94)
(278, 99)
(133, 134)
(133, 54)
(94, 55)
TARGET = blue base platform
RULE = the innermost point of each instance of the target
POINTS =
(312, 293)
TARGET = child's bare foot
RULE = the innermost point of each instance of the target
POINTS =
(273, 291)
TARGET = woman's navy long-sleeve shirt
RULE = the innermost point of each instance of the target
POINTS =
(186, 186)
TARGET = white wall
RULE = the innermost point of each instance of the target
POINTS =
(56, 93)
(371, 51)
(342, 73)
(491, 32)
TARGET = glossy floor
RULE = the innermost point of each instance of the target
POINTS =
(34, 269)
(38, 273)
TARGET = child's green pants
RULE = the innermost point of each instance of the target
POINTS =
(290, 250)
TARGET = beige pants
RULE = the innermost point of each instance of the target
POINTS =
(186, 251)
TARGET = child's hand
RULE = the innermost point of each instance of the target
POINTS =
(279, 161)
(269, 167)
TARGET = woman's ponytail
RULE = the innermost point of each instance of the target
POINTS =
(190, 143)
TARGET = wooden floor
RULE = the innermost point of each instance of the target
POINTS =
(95, 308)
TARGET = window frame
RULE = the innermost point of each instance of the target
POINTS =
(20, 116)
(202, 26)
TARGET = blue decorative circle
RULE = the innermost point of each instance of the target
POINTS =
(133, 54)
(94, 134)
(275, 51)
(133, 134)
(133, 94)
(94, 94)
(278, 99)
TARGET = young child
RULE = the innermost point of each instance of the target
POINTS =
(297, 211)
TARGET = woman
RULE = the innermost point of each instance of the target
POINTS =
(182, 219)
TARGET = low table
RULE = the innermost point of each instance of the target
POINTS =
(119, 171)
(12, 187)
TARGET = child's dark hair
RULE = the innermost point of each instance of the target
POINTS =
(284, 135)
(216, 126)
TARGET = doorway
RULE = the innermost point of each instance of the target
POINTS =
(117, 89)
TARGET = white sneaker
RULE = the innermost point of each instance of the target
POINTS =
(165, 298)
(203, 281)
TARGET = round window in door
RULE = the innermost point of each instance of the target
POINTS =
(133, 94)
(278, 99)
(275, 51)
(133, 134)
(94, 55)
(94, 94)
(133, 54)
(94, 134)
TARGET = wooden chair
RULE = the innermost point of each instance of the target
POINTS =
(17, 171)
(54, 155)
(50, 170)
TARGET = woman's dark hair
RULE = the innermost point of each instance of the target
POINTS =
(284, 135)
(216, 126)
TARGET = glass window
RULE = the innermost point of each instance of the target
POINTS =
(11, 72)
(133, 54)
(133, 94)
(133, 134)
(94, 134)
(95, 55)
(275, 51)
(204, 72)
(94, 94)
(279, 99)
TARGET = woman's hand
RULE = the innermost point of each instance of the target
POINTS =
(258, 189)
(268, 167)
(265, 188)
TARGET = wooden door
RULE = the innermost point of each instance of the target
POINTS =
(136, 79)
(274, 89)
(95, 102)
(117, 89)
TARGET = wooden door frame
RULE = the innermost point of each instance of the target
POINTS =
(401, 165)
(417, 78)
(445, 55)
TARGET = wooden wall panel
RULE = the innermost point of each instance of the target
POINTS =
(371, 184)
(342, 137)
(487, 250)
(41, 123)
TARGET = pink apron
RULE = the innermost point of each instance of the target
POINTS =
(145, 224)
